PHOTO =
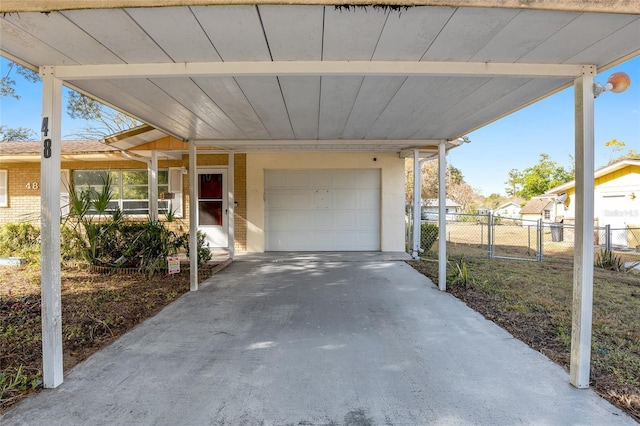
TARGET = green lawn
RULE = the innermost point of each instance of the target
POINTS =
(533, 301)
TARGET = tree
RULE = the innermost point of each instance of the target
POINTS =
(514, 182)
(618, 150)
(538, 179)
(16, 134)
(7, 84)
(494, 200)
(456, 187)
(103, 121)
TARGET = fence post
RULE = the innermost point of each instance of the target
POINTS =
(490, 231)
(540, 240)
(607, 237)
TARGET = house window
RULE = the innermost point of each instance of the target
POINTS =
(547, 214)
(4, 190)
(129, 189)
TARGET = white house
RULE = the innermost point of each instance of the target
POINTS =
(508, 210)
(430, 208)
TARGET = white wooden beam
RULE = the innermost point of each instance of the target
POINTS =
(231, 200)
(314, 68)
(417, 204)
(583, 253)
(416, 143)
(52, 366)
(193, 216)
(442, 217)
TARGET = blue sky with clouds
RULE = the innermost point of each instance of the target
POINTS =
(513, 142)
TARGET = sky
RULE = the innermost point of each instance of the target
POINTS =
(513, 142)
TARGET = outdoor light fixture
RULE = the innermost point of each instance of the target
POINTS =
(618, 82)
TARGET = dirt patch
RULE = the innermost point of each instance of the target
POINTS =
(96, 309)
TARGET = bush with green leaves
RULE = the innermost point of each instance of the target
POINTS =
(428, 235)
(103, 237)
(20, 240)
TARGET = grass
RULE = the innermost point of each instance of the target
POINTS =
(533, 300)
(96, 309)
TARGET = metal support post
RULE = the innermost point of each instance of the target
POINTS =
(607, 237)
(540, 242)
(490, 232)
(442, 216)
(193, 216)
(417, 208)
(583, 254)
(153, 186)
(232, 206)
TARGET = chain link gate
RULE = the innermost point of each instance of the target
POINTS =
(518, 239)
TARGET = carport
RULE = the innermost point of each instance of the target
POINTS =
(296, 78)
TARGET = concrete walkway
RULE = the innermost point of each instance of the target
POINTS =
(332, 339)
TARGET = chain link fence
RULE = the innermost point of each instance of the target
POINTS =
(485, 235)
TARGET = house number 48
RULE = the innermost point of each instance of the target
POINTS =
(32, 185)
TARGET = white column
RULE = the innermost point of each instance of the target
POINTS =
(153, 186)
(193, 215)
(417, 204)
(232, 207)
(52, 373)
(583, 253)
(442, 216)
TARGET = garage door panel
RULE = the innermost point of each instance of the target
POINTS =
(321, 221)
(322, 210)
(322, 199)
(368, 220)
(346, 219)
(369, 199)
(345, 199)
(345, 180)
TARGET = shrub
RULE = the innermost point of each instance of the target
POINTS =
(204, 254)
(607, 259)
(20, 240)
(428, 235)
(460, 274)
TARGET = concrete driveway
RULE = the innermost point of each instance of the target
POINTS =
(334, 339)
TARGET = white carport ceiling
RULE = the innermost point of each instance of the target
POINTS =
(260, 77)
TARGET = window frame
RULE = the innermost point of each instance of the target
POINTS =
(4, 188)
(120, 201)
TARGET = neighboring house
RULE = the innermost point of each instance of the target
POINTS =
(616, 202)
(508, 210)
(542, 207)
(430, 208)
(301, 201)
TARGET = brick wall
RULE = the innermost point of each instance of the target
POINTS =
(23, 187)
(23, 183)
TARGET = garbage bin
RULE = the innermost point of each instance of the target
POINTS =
(557, 232)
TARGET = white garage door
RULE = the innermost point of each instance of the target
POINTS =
(322, 210)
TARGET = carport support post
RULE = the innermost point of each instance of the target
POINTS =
(417, 205)
(232, 207)
(52, 374)
(193, 216)
(442, 217)
(153, 186)
(583, 257)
